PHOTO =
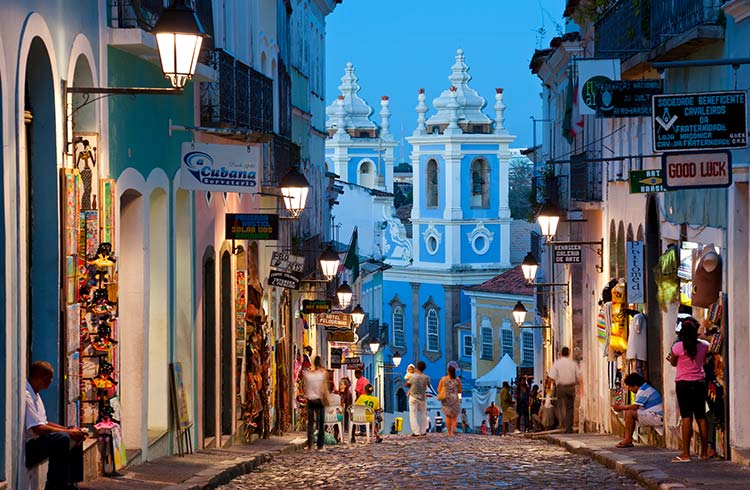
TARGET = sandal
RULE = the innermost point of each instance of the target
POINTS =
(623, 444)
(680, 459)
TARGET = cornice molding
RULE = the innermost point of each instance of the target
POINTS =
(738, 9)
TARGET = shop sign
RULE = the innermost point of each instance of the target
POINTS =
(345, 336)
(288, 263)
(626, 98)
(316, 306)
(697, 170)
(634, 259)
(591, 73)
(336, 358)
(699, 121)
(335, 319)
(643, 181)
(252, 226)
(220, 168)
(354, 363)
(283, 280)
(567, 254)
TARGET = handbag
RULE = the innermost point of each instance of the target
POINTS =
(442, 392)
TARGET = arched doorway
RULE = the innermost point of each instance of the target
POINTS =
(209, 348)
(158, 317)
(652, 252)
(42, 237)
(227, 360)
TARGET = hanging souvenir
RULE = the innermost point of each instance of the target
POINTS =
(618, 341)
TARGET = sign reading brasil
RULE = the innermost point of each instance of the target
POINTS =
(252, 226)
(644, 181)
(700, 121)
(220, 168)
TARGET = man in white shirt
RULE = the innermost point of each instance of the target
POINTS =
(44, 439)
(566, 375)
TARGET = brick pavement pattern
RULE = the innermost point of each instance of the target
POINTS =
(434, 461)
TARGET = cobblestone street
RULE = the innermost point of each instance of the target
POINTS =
(435, 461)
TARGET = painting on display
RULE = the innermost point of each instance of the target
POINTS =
(107, 218)
(71, 186)
(85, 164)
(72, 327)
(240, 308)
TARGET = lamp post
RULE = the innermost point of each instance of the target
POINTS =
(294, 189)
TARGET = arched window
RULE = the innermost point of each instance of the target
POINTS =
(432, 184)
(486, 352)
(397, 321)
(527, 349)
(507, 339)
(433, 331)
(401, 402)
(366, 177)
(480, 184)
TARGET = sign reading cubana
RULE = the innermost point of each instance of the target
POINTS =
(220, 168)
(252, 226)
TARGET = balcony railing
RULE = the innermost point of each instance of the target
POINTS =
(623, 30)
(125, 14)
(284, 154)
(585, 180)
(670, 18)
(240, 97)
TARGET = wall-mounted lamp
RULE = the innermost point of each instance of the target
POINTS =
(374, 346)
(548, 217)
(329, 262)
(358, 315)
(529, 267)
(294, 189)
(344, 294)
(519, 315)
(396, 359)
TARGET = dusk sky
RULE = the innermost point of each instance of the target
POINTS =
(399, 46)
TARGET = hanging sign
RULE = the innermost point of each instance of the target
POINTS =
(567, 254)
(336, 358)
(344, 336)
(626, 98)
(252, 226)
(590, 73)
(335, 319)
(699, 121)
(634, 258)
(644, 181)
(283, 280)
(697, 170)
(316, 306)
(220, 168)
(354, 363)
(287, 262)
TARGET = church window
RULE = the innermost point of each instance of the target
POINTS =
(486, 342)
(398, 327)
(467, 346)
(432, 184)
(433, 331)
(527, 349)
(480, 183)
(366, 177)
(507, 340)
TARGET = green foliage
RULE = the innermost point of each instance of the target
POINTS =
(520, 180)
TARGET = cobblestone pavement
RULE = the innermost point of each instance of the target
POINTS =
(434, 461)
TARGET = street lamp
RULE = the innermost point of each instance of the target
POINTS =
(294, 189)
(396, 359)
(374, 346)
(548, 217)
(519, 313)
(344, 294)
(179, 35)
(529, 267)
(329, 262)
(358, 315)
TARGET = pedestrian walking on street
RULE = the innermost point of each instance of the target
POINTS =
(492, 412)
(316, 391)
(647, 410)
(687, 356)
(566, 375)
(452, 403)
(522, 407)
(418, 383)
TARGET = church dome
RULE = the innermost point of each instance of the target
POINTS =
(470, 103)
(357, 112)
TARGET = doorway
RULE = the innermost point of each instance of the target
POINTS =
(209, 348)
(227, 360)
(653, 251)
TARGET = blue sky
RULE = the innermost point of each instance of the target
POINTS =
(399, 46)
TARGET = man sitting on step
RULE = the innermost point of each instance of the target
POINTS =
(647, 410)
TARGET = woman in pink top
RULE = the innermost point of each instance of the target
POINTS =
(688, 355)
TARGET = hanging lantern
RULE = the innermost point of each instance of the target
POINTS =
(519, 313)
(344, 294)
(329, 262)
(358, 315)
(294, 188)
(529, 267)
(179, 36)
(548, 217)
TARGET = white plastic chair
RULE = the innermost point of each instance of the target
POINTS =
(358, 415)
(333, 418)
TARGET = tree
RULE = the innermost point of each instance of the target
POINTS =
(520, 178)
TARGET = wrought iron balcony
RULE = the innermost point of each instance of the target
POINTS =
(125, 14)
(670, 18)
(585, 180)
(284, 155)
(623, 30)
(240, 97)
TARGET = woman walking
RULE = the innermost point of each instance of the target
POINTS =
(687, 356)
(316, 391)
(450, 385)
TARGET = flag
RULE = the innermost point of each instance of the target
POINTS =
(352, 259)
(573, 119)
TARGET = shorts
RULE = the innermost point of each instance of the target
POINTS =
(691, 397)
(649, 418)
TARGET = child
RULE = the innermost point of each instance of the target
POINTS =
(484, 427)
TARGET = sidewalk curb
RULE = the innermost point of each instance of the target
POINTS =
(226, 471)
(649, 476)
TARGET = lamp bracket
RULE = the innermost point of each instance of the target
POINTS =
(125, 90)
